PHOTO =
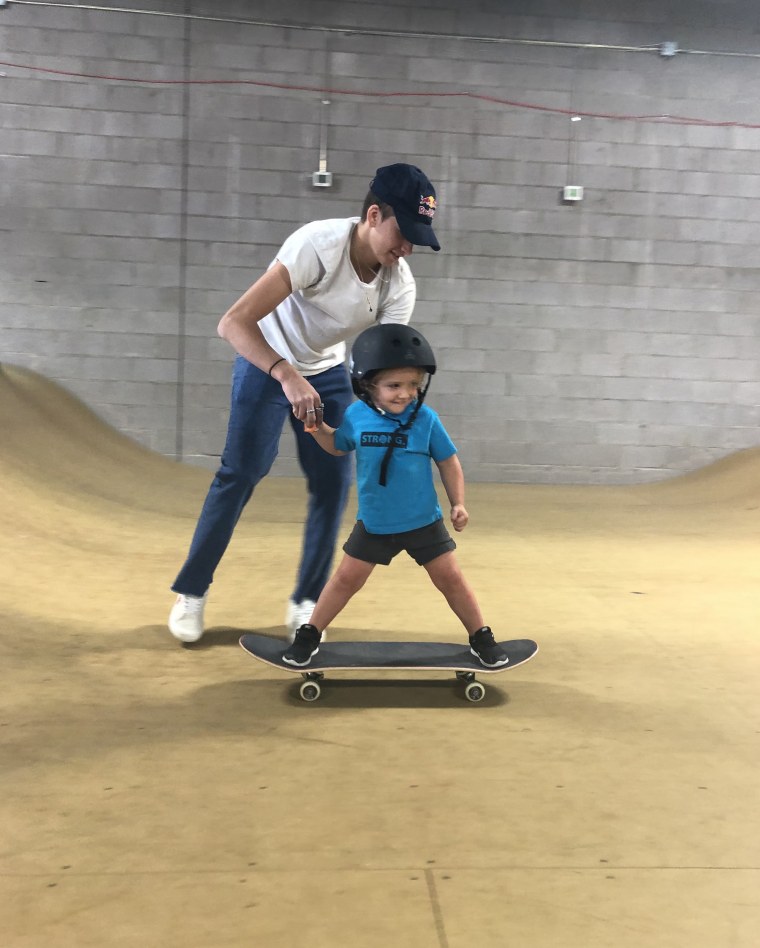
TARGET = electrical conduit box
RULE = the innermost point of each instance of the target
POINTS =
(572, 193)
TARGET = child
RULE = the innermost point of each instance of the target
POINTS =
(395, 435)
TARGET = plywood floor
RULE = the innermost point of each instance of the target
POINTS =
(603, 796)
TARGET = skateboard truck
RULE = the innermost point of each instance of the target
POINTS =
(311, 690)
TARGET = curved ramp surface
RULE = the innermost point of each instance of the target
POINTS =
(160, 795)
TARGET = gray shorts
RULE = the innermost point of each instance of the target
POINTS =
(423, 544)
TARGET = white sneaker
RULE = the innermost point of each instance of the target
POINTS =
(186, 618)
(298, 614)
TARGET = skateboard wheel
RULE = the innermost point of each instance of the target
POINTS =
(475, 691)
(310, 691)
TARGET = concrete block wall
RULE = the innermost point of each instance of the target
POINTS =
(612, 341)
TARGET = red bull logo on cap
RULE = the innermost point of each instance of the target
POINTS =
(427, 205)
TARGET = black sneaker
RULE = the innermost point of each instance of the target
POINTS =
(483, 646)
(304, 645)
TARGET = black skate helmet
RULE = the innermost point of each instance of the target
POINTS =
(388, 346)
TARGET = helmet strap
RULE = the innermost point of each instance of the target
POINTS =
(384, 464)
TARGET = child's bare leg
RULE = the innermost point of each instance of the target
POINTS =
(343, 585)
(447, 576)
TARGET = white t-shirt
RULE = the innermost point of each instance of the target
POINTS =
(329, 303)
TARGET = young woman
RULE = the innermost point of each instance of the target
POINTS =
(329, 280)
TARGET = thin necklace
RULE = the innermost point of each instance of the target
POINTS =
(366, 297)
(358, 268)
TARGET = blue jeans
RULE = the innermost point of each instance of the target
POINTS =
(257, 416)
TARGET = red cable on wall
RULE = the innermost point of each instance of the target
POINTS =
(664, 119)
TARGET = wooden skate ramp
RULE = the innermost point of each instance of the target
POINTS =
(605, 794)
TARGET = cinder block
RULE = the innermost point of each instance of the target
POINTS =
(636, 308)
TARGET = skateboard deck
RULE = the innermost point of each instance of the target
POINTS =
(387, 656)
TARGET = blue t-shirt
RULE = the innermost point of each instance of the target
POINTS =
(408, 500)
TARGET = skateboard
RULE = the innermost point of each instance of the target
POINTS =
(387, 656)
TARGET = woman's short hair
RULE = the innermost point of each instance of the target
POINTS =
(385, 209)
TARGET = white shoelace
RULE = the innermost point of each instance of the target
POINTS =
(192, 605)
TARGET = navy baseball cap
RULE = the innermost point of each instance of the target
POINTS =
(407, 190)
